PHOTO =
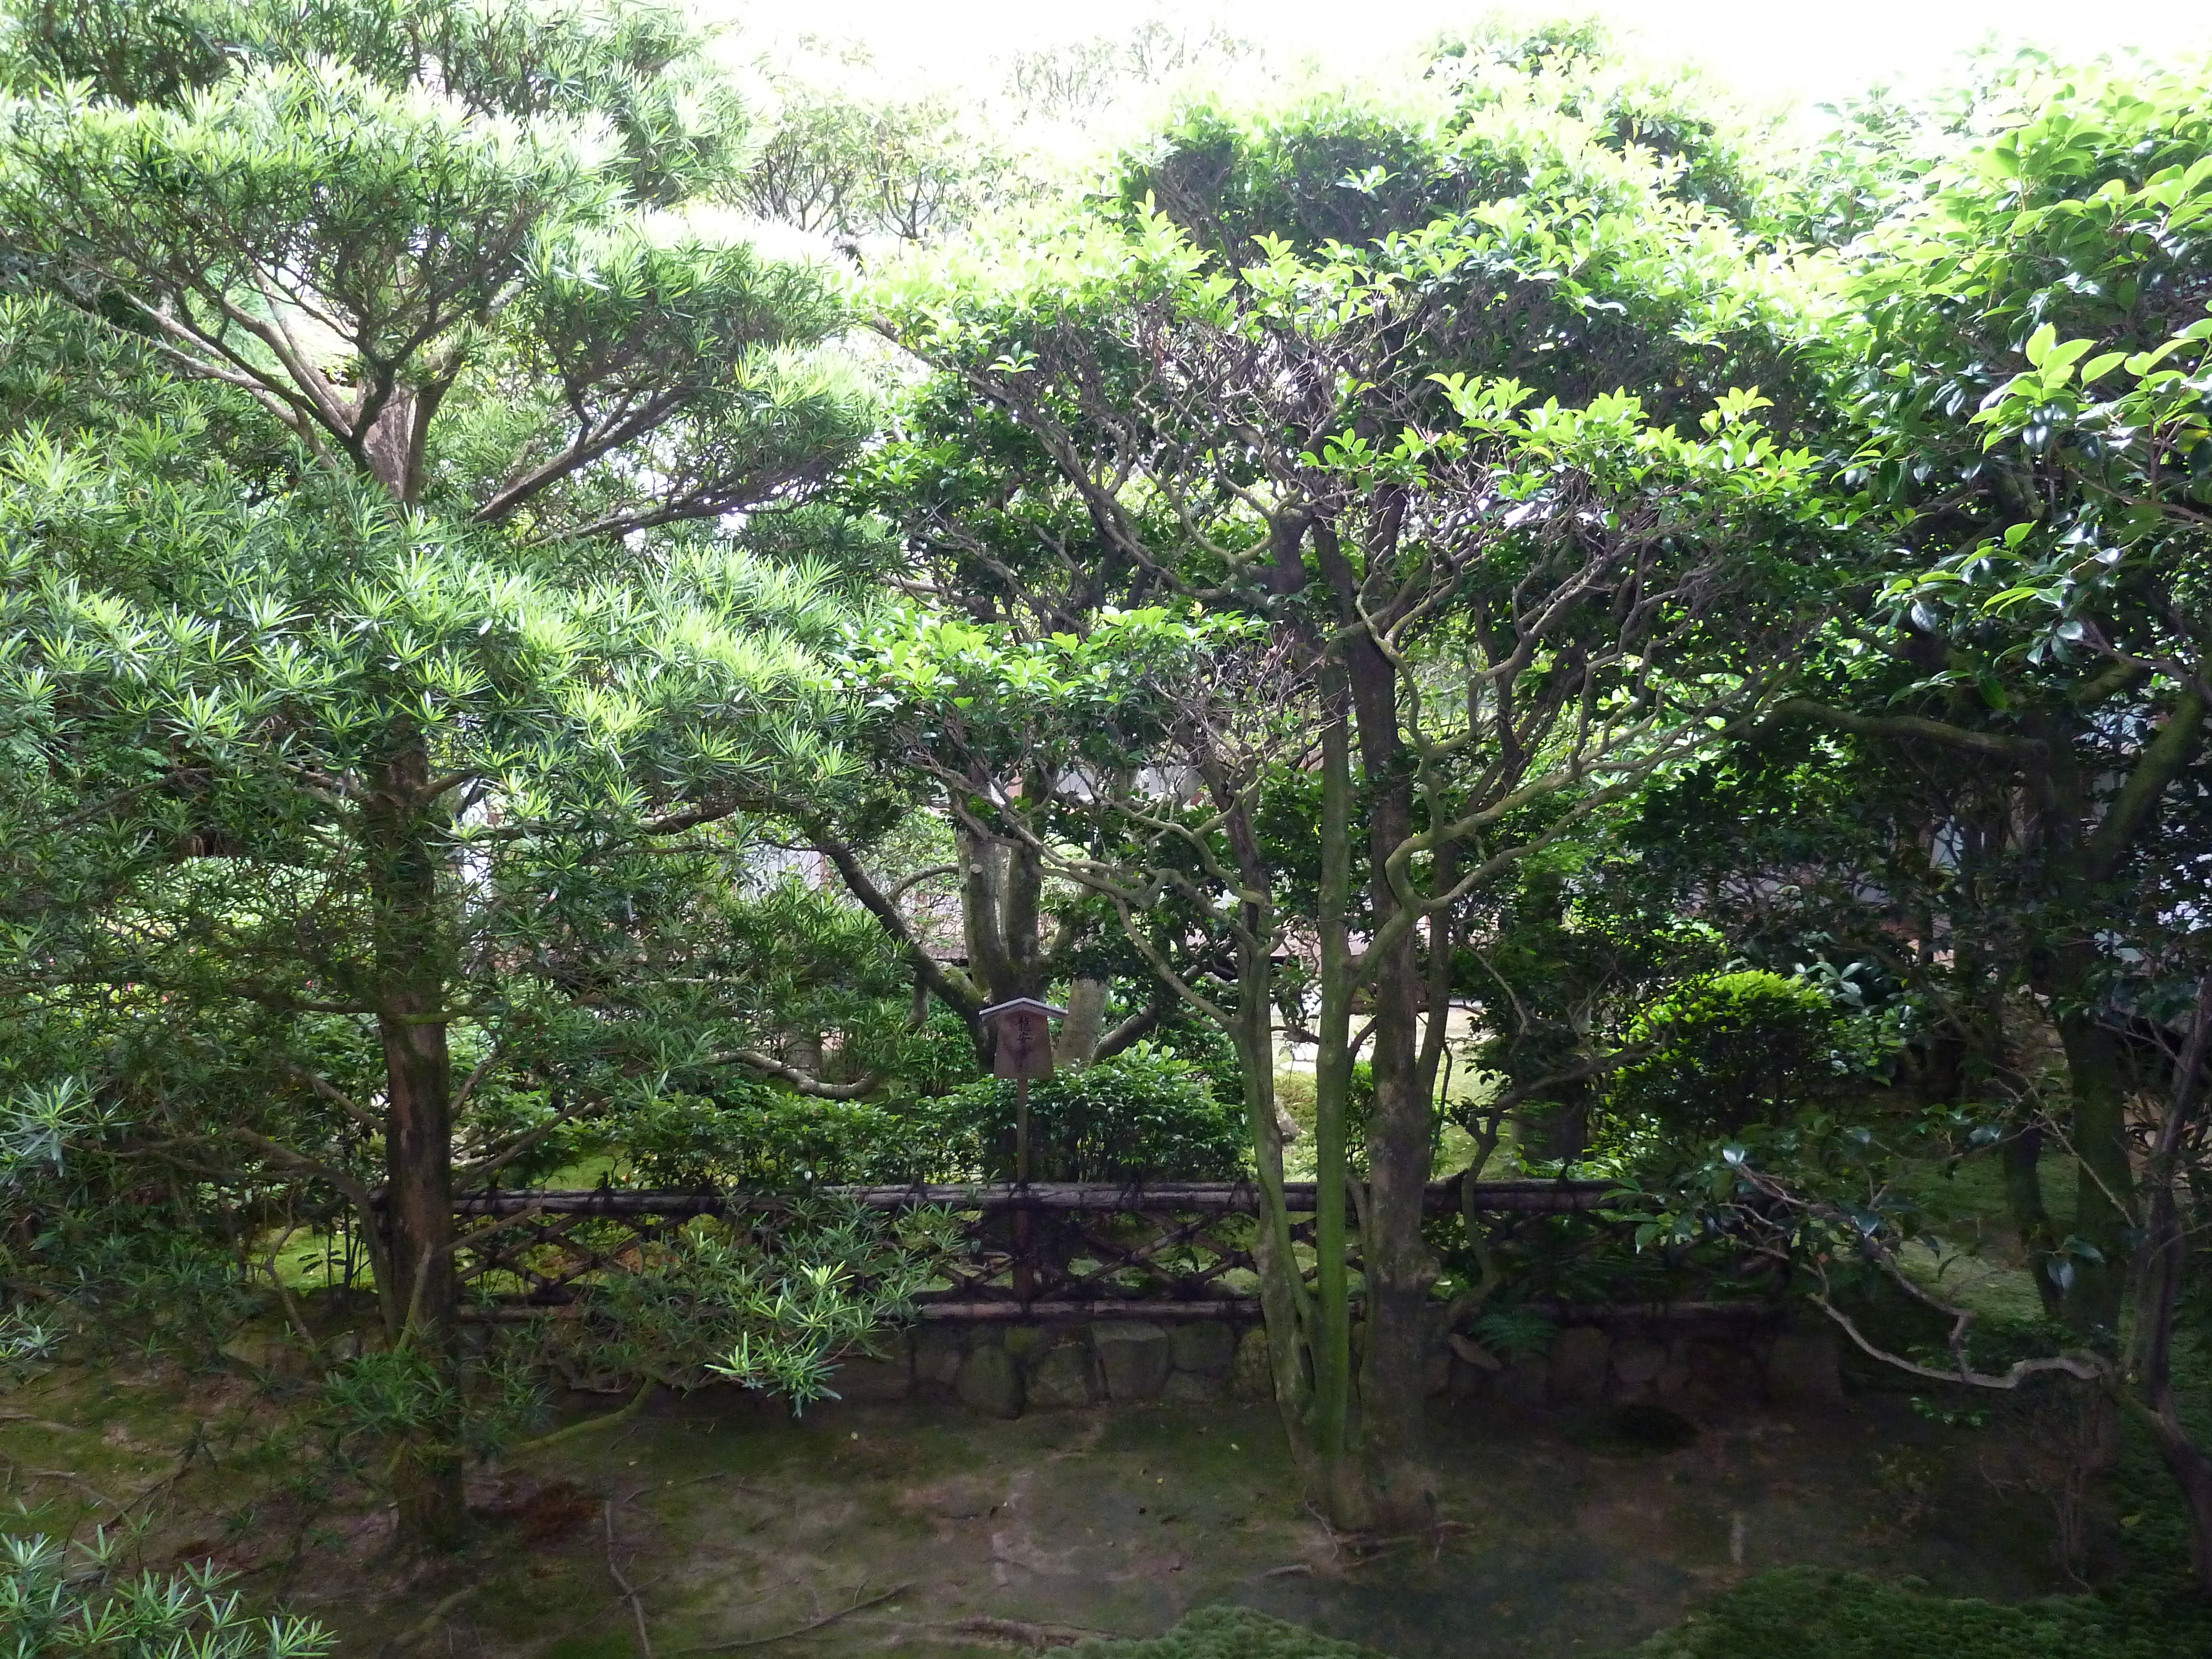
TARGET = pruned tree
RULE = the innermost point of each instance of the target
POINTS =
(1506, 617)
(351, 724)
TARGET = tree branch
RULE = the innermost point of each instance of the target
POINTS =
(962, 998)
(2160, 761)
(1907, 729)
(794, 1077)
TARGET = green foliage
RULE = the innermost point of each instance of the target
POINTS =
(859, 169)
(1571, 944)
(145, 1281)
(763, 1138)
(58, 1598)
(1107, 692)
(772, 1300)
(1725, 1052)
(1227, 1633)
(1819, 1613)
(1141, 1114)
(2054, 289)
(1516, 1333)
(369, 1408)
(25, 1342)
(678, 121)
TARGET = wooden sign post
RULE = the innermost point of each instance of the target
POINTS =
(1021, 1029)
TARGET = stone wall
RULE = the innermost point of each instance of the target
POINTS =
(1005, 1369)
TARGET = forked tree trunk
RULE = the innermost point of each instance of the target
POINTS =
(1369, 1441)
(421, 1302)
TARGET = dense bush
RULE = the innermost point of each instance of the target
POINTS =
(760, 1136)
(1142, 1115)
(1727, 1052)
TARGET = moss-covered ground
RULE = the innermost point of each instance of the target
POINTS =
(923, 1528)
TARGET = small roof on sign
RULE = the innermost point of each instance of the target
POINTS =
(1019, 1005)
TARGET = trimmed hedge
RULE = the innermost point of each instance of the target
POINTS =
(1144, 1115)
(1729, 1052)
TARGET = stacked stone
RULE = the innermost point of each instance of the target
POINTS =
(1003, 1370)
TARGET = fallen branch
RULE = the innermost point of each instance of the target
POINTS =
(796, 1630)
(629, 1590)
(643, 1585)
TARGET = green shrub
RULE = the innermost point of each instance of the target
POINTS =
(761, 1137)
(1729, 1052)
(1816, 1613)
(1142, 1115)
(1225, 1632)
(82, 1599)
(773, 1300)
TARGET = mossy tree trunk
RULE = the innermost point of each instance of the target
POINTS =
(419, 1295)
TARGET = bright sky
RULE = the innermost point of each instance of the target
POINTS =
(1801, 51)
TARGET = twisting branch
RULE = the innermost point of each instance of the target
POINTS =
(1875, 1250)
(793, 1077)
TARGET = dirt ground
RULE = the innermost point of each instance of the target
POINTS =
(718, 1523)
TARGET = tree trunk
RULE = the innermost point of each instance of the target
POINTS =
(1394, 1491)
(2097, 1079)
(1284, 1302)
(1341, 1493)
(2022, 1156)
(1085, 1023)
(2192, 1472)
(1399, 1268)
(2159, 1267)
(1001, 892)
(421, 1302)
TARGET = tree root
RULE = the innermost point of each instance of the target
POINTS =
(591, 1425)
